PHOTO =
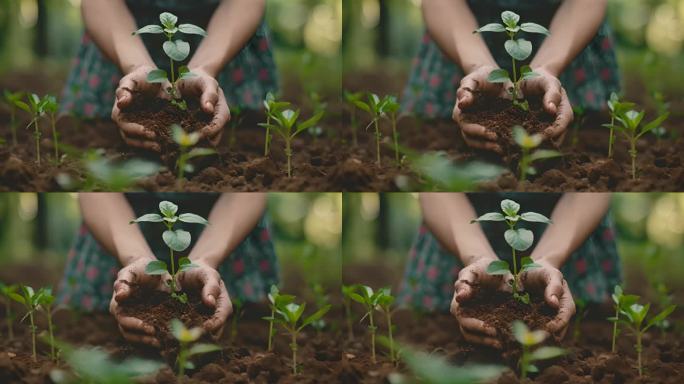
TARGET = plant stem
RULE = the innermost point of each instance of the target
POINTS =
(173, 271)
(391, 337)
(396, 137)
(270, 331)
(181, 163)
(288, 153)
(615, 325)
(639, 349)
(515, 272)
(377, 140)
(52, 335)
(515, 79)
(293, 346)
(33, 336)
(181, 359)
(10, 323)
(633, 155)
(371, 327)
(524, 363)
(611, 138)
(523, 164)
(36, 135)
(268, 135)
(54, 136)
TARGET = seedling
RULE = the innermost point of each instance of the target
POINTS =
(580, 114)
(528, 143)
(12, 98)
(288, 315)
(236, 117)
(616, 107)
(370, 300)
(621, 301)
(45, 301)
(36, 107)
(186, 141)
(31, 300)
(390, 109)
(288, 128)
(272, 107)
(631, 127)
(276, 300)
(176, 50)
(530, 339)
(346, 292)
(352, 99)
(520, 239)
(238, 308)
(51, 108)
(375, 107)
(385, 302)
(518, 49)
(633, 316)
(6, 290)
(581, 313)
(177, 240)
(185, 338)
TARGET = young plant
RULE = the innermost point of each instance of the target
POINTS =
(186, 141)
(631, 127)
(581, 306)
(288, 315)
(347, 290)
(390, 109)
(370, 300)
(51, 108)
(238, 309)
(518, 49)
(31, 300)
(6, 290)
(580, 113)
(276, 300)
(288, 128)
(519, 239)
(375, 107)
(272, 107)
(176, 50)
(633, 316)
(36, 107)
(529, 339)
(616, 107)
(620, 301)
(352, 98)
(236, 117)
(177, 240)
(187, 337)
(12, 98)
(385, 301)
(528, 143)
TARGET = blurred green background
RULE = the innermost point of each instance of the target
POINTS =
(37, 231)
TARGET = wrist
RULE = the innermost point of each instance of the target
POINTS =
(554, 259)
(474, 67)
(132, 67)
(128, 258)
(202, 69)
(207, 260)
(473, 257)
(547, 69)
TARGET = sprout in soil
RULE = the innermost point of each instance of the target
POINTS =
(36, 107)
(529, 339)
(620, 301)
(518, 49)
(581, 313)
(12, 98)
(390, 109)
(375, 107)
(527, 143)
(520, 239)
(272, 107)
(176, 50)
(665, 299)
(630, 126)
(236, 117)
(347, 290)
(580, 114)
(177, 240)
(276, 300)
(321, 299)
(385, 301)
(31, 301)
(51, 108)
(45, 301)
(187, 337)
(370, 300)
(238, 310)
(288, 128)
(616, 107)
(633, 316)
(352, 98)
(289, 316)
(186, 141)
(6, 290)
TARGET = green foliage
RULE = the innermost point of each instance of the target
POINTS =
(177, 240)
(51, 108)
(390, 109)
(620, 301)
(32, 302)
(581, 312)
(528, 143)
(186, 338)
(276, 300)
(529, 340)
(5, 291)
(347, 290)
(238, 309)
(236, 117)
(518, 49)
(176, 50)
(185, 142)
(36, 107)
(11, 98)
(616, 107)
(375, 107)
(352, 98)
(272, 107)
(382, 300)
(519, 239)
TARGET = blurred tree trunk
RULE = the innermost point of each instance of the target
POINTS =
(383, 232)
(383, 39)
(41, 34)
(41, 232)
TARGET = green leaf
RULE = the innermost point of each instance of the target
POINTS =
(510, 207)
(498, 76)
(498, 267)
(156, 76)
(519, 239)
(545, 353)
(153, 28)
(199, 152)
(356, 297)
(491, 216)
(544, 154)
(519, 49)
(148, 218)
(534, 28)
(192, 218)
(156, 267)
(178, 240)
(509, 18)
(653, 124)
(361, 105)
(535, 217)
(168, 19)
(309, 123)
(168, 208)
(201, 348)
(190, 29)
(177, 50)
(492, 27)
(23, 106)
(529, 75)
(17, 297)
(661, 316)
(317, 315)
(532, 368)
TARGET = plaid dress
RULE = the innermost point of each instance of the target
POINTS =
(88, 279)
(245, 80)
(591, 271)
(588, 80)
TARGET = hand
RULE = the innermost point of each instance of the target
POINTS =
(212, 101)
(135, 82)
(206, 279)
(556, 293)
(129, 279)
(555, 101)
(470, 280)
(476, 135)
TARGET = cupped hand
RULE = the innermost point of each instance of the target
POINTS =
(133, 83)
(557, 295)
(471, 279)
(555, 101)
(212, 101)
(130, 279)
(472, 85)
(206, 279)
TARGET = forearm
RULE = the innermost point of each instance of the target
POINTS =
(229, 29)
(572, 28)
(448, 217)
(575, 217)
(110, 24)
(451, 24)
(233, 217)
(107, 216)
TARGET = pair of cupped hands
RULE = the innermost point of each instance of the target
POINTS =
(546, 278)
(204, 279)
(202, 86)
(546, 84)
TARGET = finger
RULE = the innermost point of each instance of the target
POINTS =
(140, 339)
(483, 145)
(563, 119)
(477, 131)
(470, 324)
(133, 324)
(565, 312)
(122, 285)
(465, 95)
(135, 131)
(553, 291)
(481, 339)
(224, 308)
(465, 285)
(221, 117)
(138, 143)
(551, 88)
(210, 94)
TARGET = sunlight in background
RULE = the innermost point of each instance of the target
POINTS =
(666, 221)
(323, 224)
(323, 31)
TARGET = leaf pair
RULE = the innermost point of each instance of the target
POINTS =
(519, 239)
(290, 313)
(286, 122)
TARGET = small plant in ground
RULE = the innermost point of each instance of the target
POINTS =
(581, 313)
(375, 107)
(176, 50)
(236, 117)
(31, 300)
(385, 302)
(347, 290)
(519, 239)
(238, 309)
(527, 143)
(580, 114)
(289, 316)
(288, 128)
(51, 108)
(620, 301)
(45, 301)
(6, 290)
(370, 300)
(633, 316)
(12, 98)
(276, 300)
(352, 98)
(530, 339)
(177, 240)
(36, 107)
(616, 108)
(518, 49)
(272, 107)
(391, 109)
(185, 142)
(187, 337)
